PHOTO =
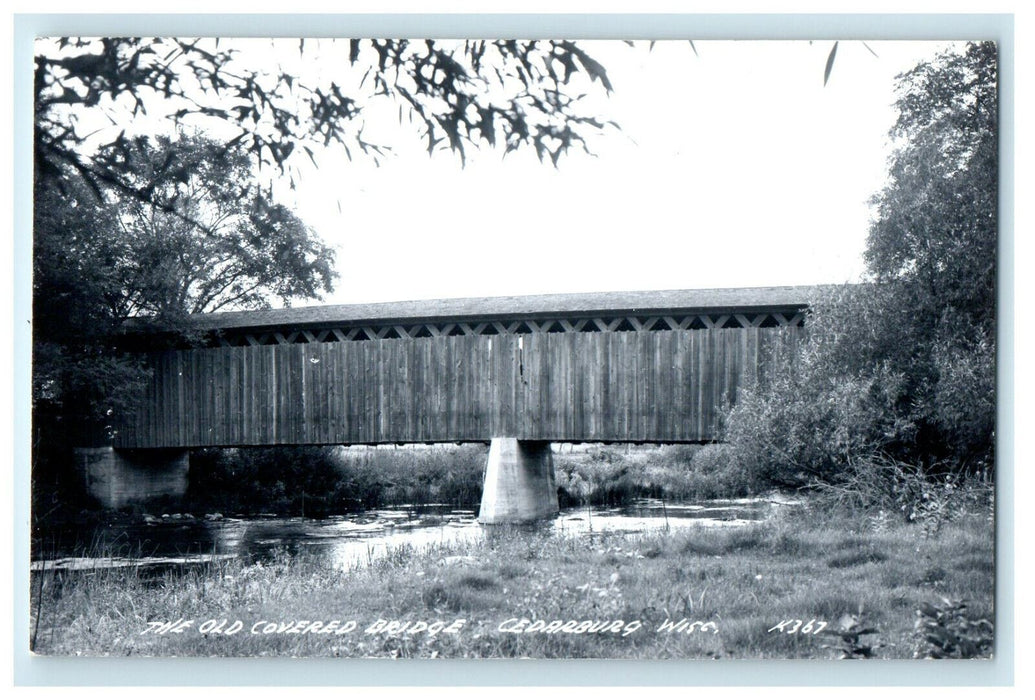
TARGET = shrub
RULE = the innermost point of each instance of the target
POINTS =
(866, 386)
(919, 495)
(808, 420)
(714, 474)
(600, 475)
(963, 403)
(944, 631)
(612, 476)
(321, 481)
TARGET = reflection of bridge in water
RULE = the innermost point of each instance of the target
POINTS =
(518, 372)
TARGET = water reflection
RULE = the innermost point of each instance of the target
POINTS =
(357, 540)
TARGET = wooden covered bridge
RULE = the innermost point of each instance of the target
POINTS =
(518, 372)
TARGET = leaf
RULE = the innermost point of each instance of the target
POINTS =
(830, 64)
(939, 636)
(595, 70)
(928, 609)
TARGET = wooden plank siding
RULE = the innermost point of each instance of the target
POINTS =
(657, 386)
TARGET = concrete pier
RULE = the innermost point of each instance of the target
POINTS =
(120, 478)
(519, 482)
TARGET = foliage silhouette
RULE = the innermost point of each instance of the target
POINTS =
(457, 94)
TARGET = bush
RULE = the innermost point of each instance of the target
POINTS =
(281, 480)
(811, 416)
(865, 386)
(614, 476)
(963, 403)
(600, 475)
(416, 475)
(946, 631)
(321, 481)
(714, 474)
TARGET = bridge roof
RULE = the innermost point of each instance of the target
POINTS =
(520, 307)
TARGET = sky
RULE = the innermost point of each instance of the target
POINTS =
(733, 167)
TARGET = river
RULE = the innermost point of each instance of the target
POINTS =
(351, 541)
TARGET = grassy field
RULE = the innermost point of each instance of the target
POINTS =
(859, 580)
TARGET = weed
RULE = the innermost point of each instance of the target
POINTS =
(852, 635)
(478, 582)
(855, 558)
(723, 542)
(652, 552)
(933, 575)
(510, 570)
(787, 544)
(944, 631)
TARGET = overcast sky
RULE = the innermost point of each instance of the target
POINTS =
(733, 167)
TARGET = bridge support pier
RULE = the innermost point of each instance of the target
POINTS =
(519, 482)
(119, 478)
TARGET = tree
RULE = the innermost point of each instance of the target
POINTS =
(77, 291)
(936, 223)
(458, 94)
(935, 236)
(901, 367)
(205, 240)
(208, 239)
(127, 226)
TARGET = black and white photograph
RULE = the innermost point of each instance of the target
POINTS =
(498, 348)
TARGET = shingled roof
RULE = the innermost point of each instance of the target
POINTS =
(517, 307)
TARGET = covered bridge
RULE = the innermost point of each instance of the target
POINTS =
(518, 371)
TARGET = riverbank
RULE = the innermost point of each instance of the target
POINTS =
(696, 593)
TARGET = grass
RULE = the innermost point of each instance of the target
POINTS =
(619, 590)
(611, 475)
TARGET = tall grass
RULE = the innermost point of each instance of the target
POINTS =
(610, 475)
(857, 579)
